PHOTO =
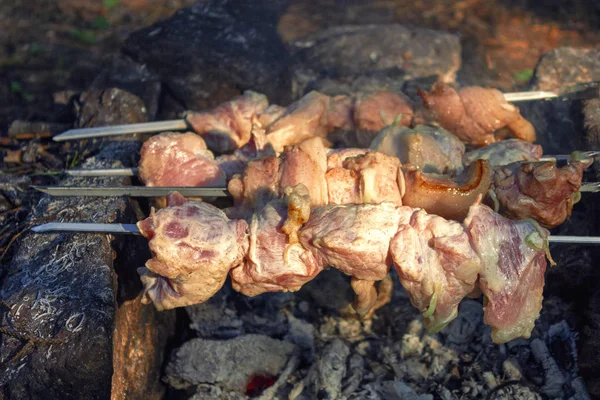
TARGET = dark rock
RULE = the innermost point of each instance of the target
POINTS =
(212, 51)
(326, 374)
(73, 325)
(59, 291)
(133, 78)
(347, 52)
(559, 123)
(110, 107)
(228, 363)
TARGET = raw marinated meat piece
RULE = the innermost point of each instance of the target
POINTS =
(274, 262)
(447, 197)
(436, 265)
(193, 245)
(179, 159)
(227, 127)
(380, 178)
(539, 190)
(302, 120)
(306, 163)
(474, 113)
(336, 157)
(505, 152)
(513, 263)
(258, 185)
(432, 150)
(354, 239)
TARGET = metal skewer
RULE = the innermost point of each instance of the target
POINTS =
(577, 92)
(134, 171)
(161, 191)
(133, 191)
(132, 229)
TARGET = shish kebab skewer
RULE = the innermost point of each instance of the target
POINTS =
(132, 229)
(576, 92)
(92, 173)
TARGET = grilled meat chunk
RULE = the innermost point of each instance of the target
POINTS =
(474, 113)
(194, 245)
(513, 263)
(179, 159)
(227, 127)
(539, 190)
(435, 263)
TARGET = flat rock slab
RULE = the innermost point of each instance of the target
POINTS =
(210, 52)
(352, 51)
(228, 363)
(71, 322)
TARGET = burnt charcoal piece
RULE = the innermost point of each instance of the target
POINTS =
(110, 107)
(210, 52)
(229, 363)
(559, 123)
(13, 189)
(325, 377)
(375, 50)
(136, 79)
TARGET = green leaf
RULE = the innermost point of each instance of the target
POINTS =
(83, 35)
(100, 23)
(108, 4)
(524, 75)
(15, 87)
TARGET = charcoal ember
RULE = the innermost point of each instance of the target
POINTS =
(210, 392)
(302, 334)
(216, 318)
(463, 329)
(13, 190)
(264, 313)
(589, 344)
(354, 374)
(210, 52)
(516, 391)
(110, 107)
(350, 51)
(331, 290)
(326, 374)
(559, 123)
(227, 363)
(136, 79)
(390, 390)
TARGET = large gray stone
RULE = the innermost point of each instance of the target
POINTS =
(212, 51)
(346, 52)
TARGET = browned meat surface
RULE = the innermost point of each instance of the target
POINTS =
(227, 127)
(435, 263)
(336, 158)
(274, 262)
(193, 245)
(446, 197)
(474, 113)
(505, 152)
(539, 190)
(513, 262)
(179, 159)
(429, 149)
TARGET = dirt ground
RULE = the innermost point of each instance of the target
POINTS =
(48, 46)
